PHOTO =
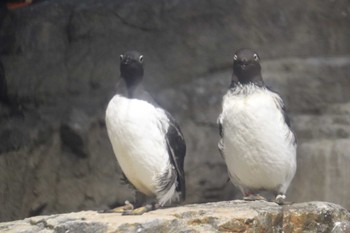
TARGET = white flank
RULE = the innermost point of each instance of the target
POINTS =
(257, 143)
(136, 130)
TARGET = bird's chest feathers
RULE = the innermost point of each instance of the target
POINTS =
(136, 129)
(254, 133)
(249, 112)
(253, 125)
(133, 118)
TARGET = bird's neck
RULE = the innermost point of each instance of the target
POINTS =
(247, 79)
(133, 90)
(133, 85)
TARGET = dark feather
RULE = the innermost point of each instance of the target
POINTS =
(221, 143)
(124, 180)
(177, 151)
(286, 119)
(221, 147)
(283, 109)
(221, 132)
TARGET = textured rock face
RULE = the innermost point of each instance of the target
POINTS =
(59, 67)
(232, 216)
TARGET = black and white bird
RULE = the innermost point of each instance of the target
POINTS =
(257, 144)
(146, 140)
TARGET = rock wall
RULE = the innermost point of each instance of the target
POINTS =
(230, 216)
(59, 67)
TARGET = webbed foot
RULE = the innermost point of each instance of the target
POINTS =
(121, 209)
(252, 197)
(139, 211)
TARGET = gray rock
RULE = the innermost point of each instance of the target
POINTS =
(3, 85)
(231, 216)
(74, 133)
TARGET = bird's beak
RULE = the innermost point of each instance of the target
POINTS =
(125, 61)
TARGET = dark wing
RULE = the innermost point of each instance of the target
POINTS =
(282, 108)
(177, 151)
(220, 129)
(221, 142)
(286, 119)
(221, 132)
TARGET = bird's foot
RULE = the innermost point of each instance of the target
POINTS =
(121, 209)
(280, 199)
(249, 197)
(140, 210)
(258, 197)
(252, 197)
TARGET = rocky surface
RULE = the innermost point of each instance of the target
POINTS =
(59, 68)
(230, 216)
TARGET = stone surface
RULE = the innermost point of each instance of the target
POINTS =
(59, 67)
(230, 216)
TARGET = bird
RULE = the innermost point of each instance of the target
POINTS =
(256, 140)
(147, 142)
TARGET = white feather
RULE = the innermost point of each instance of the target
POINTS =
(169, 196)
(257, 144)
(136, 130)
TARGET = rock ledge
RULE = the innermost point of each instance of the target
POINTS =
(228, 216)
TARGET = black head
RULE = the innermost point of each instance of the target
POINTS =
(246, 67)
(131, 67)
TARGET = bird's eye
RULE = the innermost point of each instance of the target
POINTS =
(256, 57)
(141, 58)
(121, 57)
(235, 57)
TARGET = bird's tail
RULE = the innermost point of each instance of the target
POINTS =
(166, 191)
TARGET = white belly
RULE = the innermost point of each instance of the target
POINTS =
(136, 132)
(256, 149)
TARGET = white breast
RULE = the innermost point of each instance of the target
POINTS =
(257, 148)
(136, 130)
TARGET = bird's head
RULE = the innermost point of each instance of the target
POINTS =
(246, 66)
(131, 67)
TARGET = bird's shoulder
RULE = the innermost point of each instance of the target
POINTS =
(283, 109)
(173, 131)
